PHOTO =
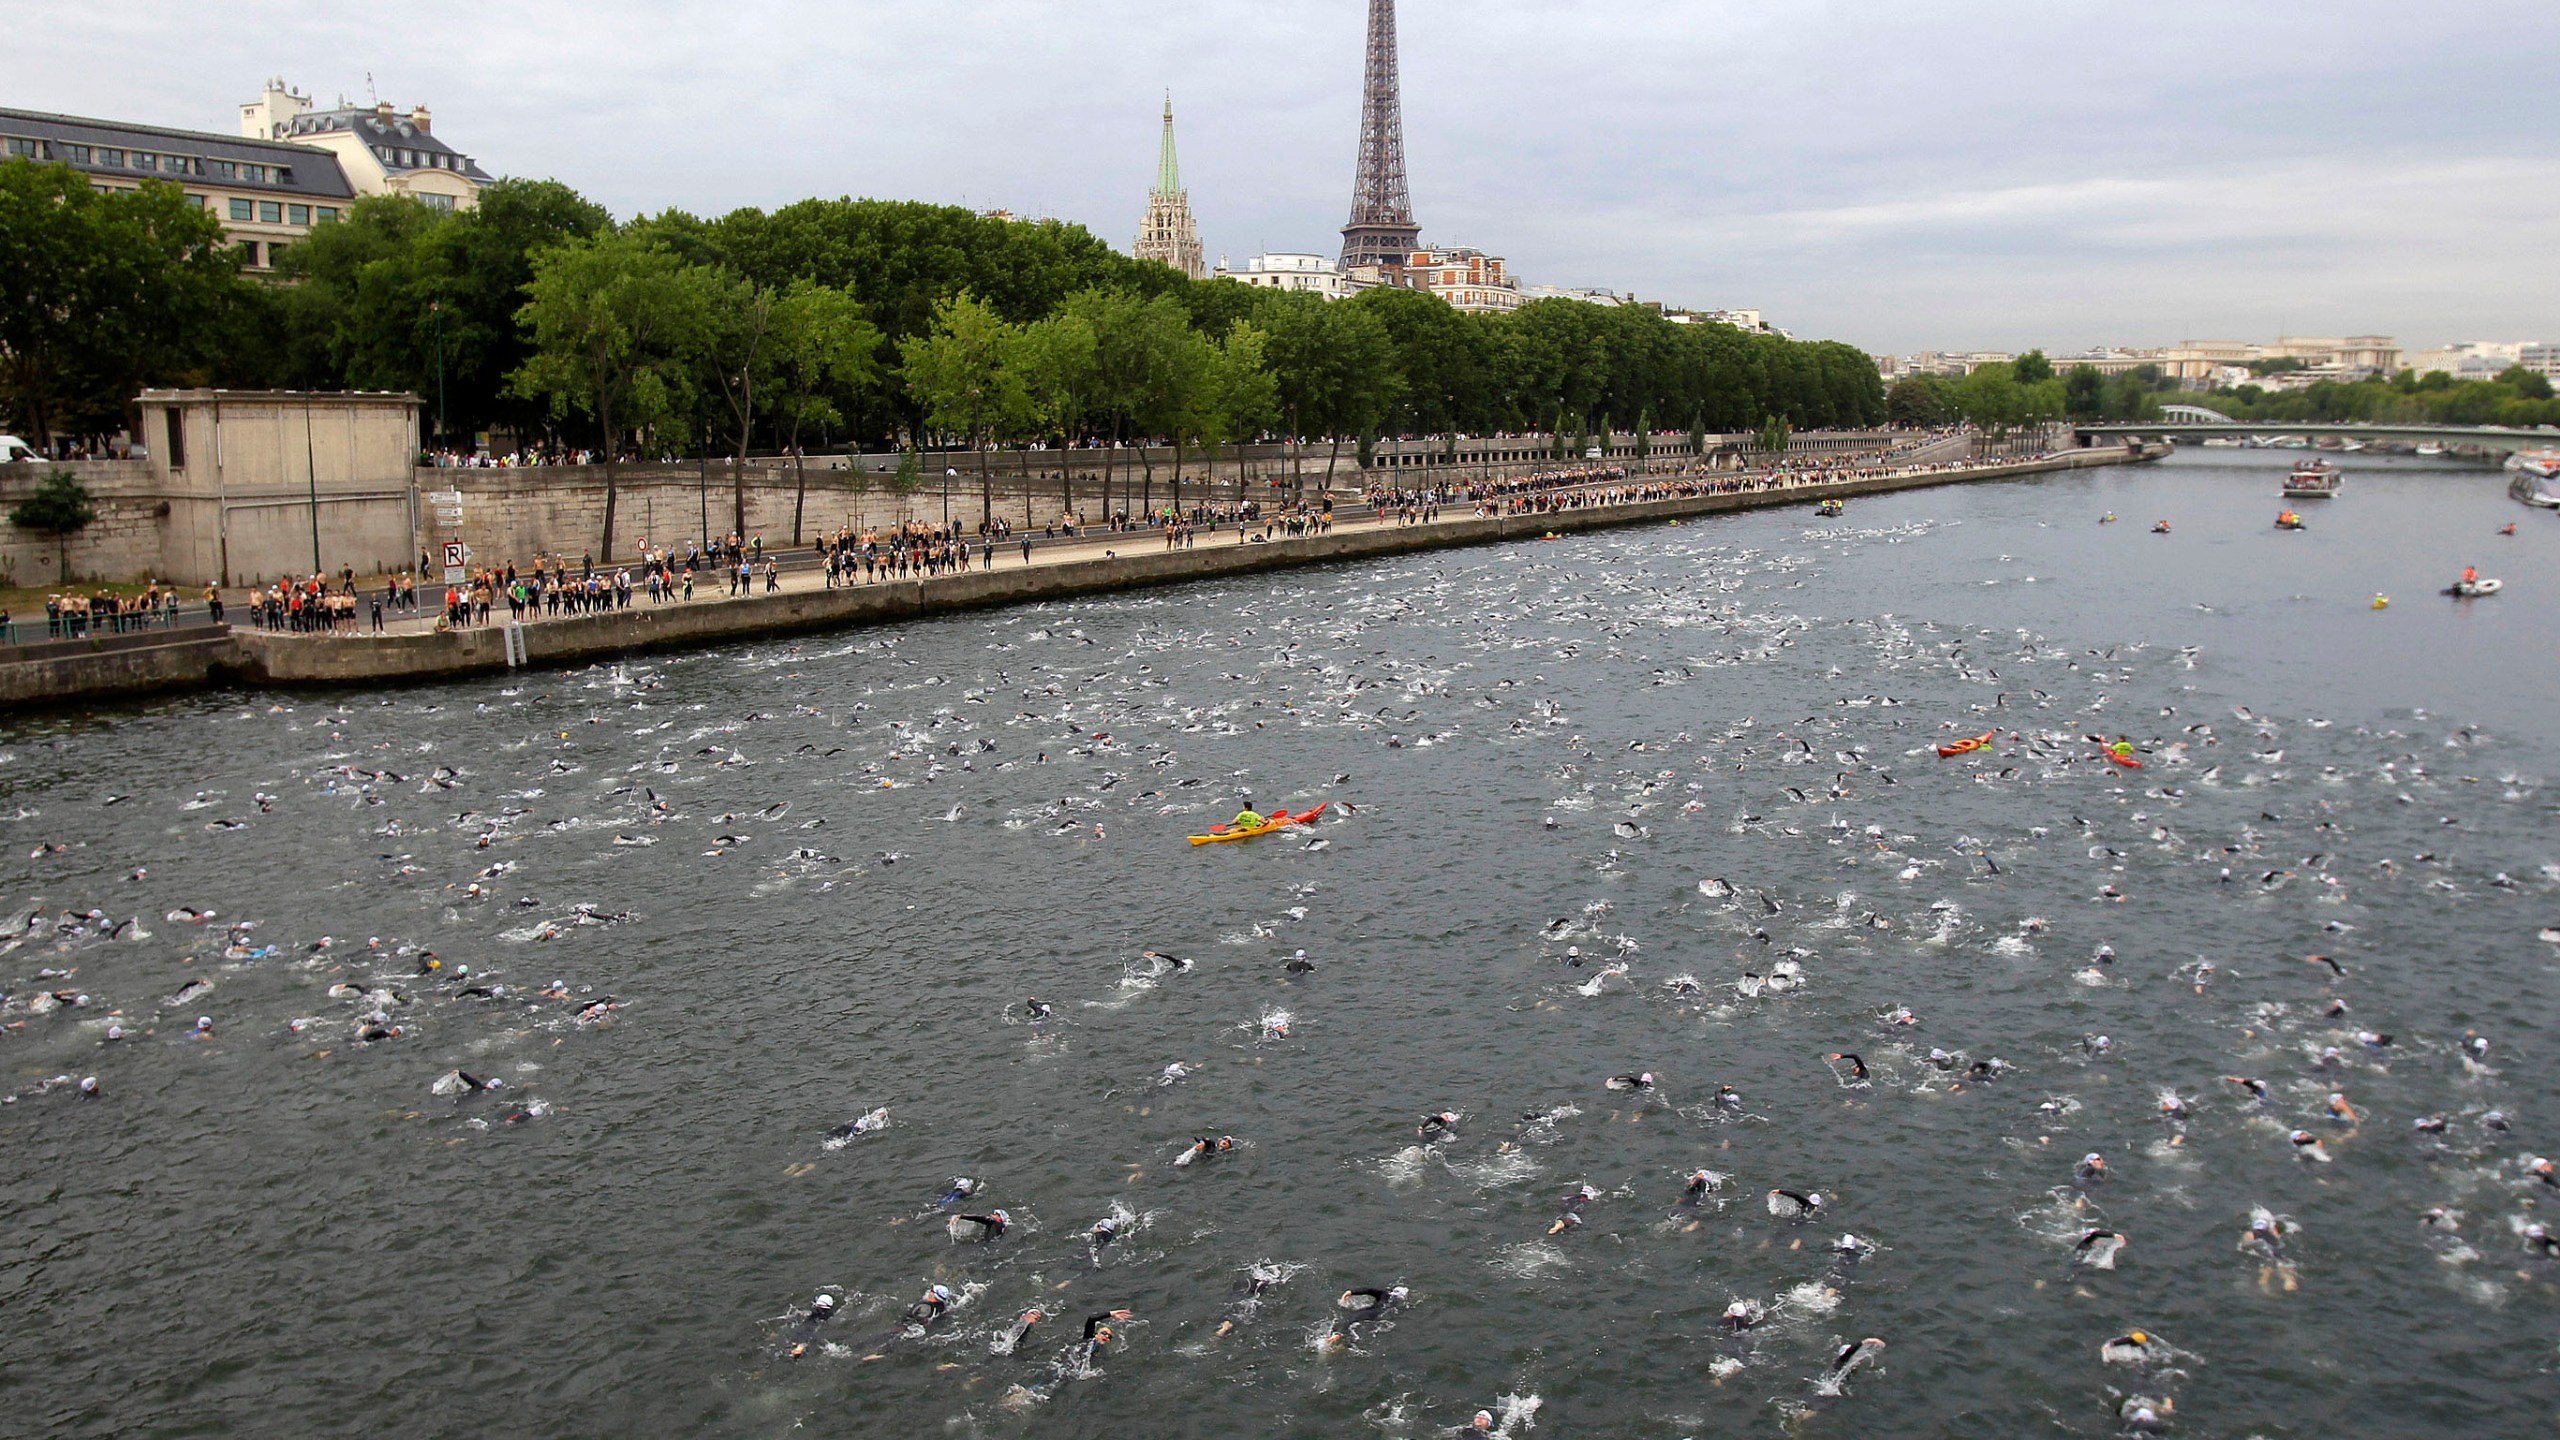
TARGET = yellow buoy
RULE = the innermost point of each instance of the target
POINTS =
(2381, 602)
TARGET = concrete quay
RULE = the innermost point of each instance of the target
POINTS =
(415, 654)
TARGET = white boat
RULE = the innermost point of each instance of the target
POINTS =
(2537, 481)
(2430, 451)
(2474, 589)
(2313, 480)
(2223, 442)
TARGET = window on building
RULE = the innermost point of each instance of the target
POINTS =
(76, 154)
(325, 213)
(22, 147)
(145, 160)
(440, 203)
(249, 253)
(297, 214)
(255, 174)
(176, 449)
(174, 164)
(222, 169)
(240, 209)
(270, 212)
(112, 159)
(281, 174)
(275, 252)
(196, 200)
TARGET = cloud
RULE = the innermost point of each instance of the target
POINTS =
(1959, 172)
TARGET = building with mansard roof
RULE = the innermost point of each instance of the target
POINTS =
(267, 195)
(382, 151)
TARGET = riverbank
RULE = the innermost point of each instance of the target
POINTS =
(256, 656)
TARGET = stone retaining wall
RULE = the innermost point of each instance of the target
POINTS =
(362, 659)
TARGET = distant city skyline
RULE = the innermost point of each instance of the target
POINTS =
(1954, 179)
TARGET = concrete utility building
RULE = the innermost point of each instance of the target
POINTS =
(254, 481)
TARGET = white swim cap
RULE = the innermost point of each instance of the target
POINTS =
(204, 1022)
(115, 1032)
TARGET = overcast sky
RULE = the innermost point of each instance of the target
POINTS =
(1915, 174)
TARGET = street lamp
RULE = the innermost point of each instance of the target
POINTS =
(949, 474)
(435, 315)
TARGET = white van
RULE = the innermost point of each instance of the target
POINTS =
(12, 448)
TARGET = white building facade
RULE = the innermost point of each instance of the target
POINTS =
(382, 151)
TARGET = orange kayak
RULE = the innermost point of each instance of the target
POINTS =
(1281, 821)
(1966, 747)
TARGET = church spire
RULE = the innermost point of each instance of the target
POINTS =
(1169, 234)
(1168, 170)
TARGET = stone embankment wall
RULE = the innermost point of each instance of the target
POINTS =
(123, 543)
(514, 515)
(260, 656)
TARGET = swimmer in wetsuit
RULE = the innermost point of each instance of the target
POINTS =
(1701, 1183)
(1435, 1126)
(1857, 1067)
(804, 1331)
(935, 1303)
(1204, 1147)
(990, 1226)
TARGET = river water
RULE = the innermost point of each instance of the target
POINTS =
(822, 877)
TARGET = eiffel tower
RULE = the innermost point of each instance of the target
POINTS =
(1381, 231)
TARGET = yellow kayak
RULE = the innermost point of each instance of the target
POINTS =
(1282, 821)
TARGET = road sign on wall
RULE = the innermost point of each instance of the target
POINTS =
(455, 555)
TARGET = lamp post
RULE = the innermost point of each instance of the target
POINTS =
(949, 474)
(311, 472)
(435, 315)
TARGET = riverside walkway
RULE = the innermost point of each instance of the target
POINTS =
(420, 649)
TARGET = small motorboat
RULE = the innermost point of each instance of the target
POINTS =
(1830, 509)
(2474, 589)
(2160, 529)
(2289, 520)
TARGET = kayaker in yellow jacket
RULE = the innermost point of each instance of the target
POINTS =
(1246, 819)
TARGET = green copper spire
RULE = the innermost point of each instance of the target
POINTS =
(1168, 172)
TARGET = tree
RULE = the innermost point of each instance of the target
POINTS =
(102, 294)
(613, 321)
(968, 376)
(396, 296)
(60, 508)
(737, 350)
(1061, 377)
(2528, 384)
(2031, 368)
(1774, 435)
(2084, 394)
(822, 350)
(1920, 400)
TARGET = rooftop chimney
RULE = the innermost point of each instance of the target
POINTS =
(418, 117)
(383, 112)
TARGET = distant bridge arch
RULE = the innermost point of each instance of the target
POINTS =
(2195, 414)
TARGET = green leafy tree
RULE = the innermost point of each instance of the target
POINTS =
(968, 376)
(2527, 384)
(59, 507)
(1061, 371)
(613, 323)
(2031, 368)
(2084, 393)
(1774, 435)
(101, 295)
(822, 352)
(737, 352)
(1923, 401)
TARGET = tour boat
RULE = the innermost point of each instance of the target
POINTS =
(2313, 479)
(2537, 481)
